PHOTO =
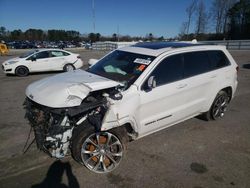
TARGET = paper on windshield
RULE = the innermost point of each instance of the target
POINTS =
(142, 61)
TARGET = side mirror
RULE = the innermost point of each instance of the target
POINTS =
(92, 62)
(151, 82)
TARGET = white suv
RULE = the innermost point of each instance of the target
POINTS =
(130, 93)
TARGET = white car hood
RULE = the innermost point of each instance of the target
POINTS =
(67, 89)
(12, 59)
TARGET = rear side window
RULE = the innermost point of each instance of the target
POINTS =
(56, 53)
(169, 70)
(218, 59)
(65, 53)
(195, 63)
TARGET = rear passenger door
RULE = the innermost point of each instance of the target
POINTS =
(57, 60)
(200, 80)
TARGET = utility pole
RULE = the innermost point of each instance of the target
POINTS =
(93, 12)
(118, 39)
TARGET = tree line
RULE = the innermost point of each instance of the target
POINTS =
(39, 35)
(225, 19)
(63, 35)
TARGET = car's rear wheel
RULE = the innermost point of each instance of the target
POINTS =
(22, 71)
(68, 67)
(218, 107)
(100, 152)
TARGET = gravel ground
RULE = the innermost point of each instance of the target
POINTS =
(194, 153)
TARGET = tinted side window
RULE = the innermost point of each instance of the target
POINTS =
(195, 63)
(65, 54)
(42, 55)
(218, 59)
(169, 70)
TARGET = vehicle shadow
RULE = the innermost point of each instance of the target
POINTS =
(55, 174)
(246, 66)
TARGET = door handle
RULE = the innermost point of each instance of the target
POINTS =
(181, 86)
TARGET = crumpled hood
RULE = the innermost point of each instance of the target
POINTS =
(67, 89)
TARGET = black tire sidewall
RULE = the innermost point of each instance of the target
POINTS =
(78, 138)
(26, 71)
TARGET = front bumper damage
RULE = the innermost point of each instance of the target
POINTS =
(53, 127)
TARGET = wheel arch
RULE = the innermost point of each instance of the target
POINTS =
(229, 91)
(64, 66)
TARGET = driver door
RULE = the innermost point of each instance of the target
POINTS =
(162, 105)
(40, 62)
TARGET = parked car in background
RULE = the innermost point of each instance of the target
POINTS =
(130, 93)
(42, 60)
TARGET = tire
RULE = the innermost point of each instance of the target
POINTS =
(100, 152)
(68, 67)
(22, 71)
(219, 107)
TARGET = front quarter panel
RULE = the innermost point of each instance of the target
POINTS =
(122, 111)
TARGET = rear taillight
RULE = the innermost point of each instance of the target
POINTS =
(237, 69)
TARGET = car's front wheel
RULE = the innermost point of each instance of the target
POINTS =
(22, 71)
(100, 152)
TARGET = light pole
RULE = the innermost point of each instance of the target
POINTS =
(93, 12)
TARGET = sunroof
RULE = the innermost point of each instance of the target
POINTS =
(159, 45)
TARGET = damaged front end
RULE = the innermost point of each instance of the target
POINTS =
(53, 127)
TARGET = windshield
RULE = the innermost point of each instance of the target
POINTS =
(124, 67)
(28, 54)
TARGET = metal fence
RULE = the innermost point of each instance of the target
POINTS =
(104, 46)
(232, 44)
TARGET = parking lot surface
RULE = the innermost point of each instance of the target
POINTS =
(193, 154)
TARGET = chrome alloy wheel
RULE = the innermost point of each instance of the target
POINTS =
(101, 152)
(220, 106)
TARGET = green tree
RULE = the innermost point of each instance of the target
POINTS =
(2, 31)
(239, 25)
(34, 34)
(16, 34)
(114, 37)
(92, 37)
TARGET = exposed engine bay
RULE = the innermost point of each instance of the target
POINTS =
(53, 127)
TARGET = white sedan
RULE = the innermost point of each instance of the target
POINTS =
(42, 60)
